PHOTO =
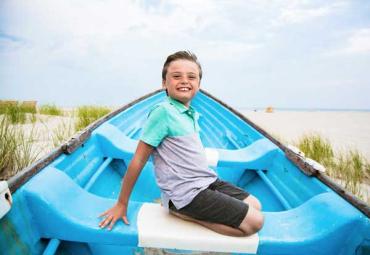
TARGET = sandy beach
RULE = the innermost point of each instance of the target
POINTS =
(344, 129)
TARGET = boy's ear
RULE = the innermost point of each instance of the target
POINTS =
(164, 84)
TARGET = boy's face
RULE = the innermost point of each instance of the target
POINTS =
(182, 80)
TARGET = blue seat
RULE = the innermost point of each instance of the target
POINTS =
(257, 155)
(65, 211)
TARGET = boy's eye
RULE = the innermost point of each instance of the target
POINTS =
(192, 77)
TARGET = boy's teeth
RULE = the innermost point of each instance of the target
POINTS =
(184, 89)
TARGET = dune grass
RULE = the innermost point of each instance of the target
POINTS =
(50, 109)
(13, 112)
(318, 148)
(18, 113)
(88, 114)
(8, 145)
(350, 167)
(64, 130)
(16, 150)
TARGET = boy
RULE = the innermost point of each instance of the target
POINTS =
(190, 190)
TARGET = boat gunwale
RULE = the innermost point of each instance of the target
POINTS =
(79, 138)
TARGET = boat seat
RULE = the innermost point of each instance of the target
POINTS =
(258, 155)
(65, 211)
(316, 227)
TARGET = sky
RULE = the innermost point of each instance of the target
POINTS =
(256, 53)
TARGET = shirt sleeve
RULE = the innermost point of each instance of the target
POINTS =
(155, 128)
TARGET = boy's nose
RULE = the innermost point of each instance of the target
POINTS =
(184, 80)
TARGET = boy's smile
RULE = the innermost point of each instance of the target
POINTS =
(182, 80)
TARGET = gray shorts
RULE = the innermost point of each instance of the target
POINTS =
(220, 203)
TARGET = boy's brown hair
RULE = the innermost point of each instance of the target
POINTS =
(187, 55)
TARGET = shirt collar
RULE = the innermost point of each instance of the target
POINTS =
(179, 106)
(182, 108)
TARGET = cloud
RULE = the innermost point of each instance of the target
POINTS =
(82, 31)
(357, 42)
(118, 44)
(226, 50)
(293, 12)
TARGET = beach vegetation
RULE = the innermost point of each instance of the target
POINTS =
(29, 107)
(349, 167)
(7, 148)
(318, 148)
(88, 114)
(64, 130)
(19, 113)
(16, 148)
(50, 109)
(13, 111)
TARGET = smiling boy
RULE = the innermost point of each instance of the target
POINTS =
(190, 189)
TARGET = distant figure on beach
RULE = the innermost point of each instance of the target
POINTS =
(269, 109)
(190, 189)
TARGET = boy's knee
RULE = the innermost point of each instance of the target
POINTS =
(260, 220)
(252, 223)
(258, 205)
(254, 202)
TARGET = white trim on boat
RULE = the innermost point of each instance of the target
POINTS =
(159, 229)
(5, 199)
(212, 156)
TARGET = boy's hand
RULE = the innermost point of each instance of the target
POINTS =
(118, 211)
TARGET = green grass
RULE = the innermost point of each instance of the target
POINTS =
(349, 166)
(50, 109)
(29, 106)
(88, 114)
(8, 145)
(19, 113)
(14, 113)
(63, 131)
(16, 151)
(318, 148)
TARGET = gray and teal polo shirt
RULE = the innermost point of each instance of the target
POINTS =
(179, 158)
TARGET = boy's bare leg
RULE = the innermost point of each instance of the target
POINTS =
(254, 202)
(252, 222)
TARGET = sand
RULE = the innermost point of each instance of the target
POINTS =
(344, 129)
(47, 132)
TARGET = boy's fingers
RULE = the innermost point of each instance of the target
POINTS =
(112, 223)
(124, 218)
(105, 222)
(104, 213)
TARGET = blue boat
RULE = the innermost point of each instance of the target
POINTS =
(56, 201)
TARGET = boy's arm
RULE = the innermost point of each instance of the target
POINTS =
(119, 210)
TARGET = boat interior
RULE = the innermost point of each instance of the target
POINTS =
(89, 180)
